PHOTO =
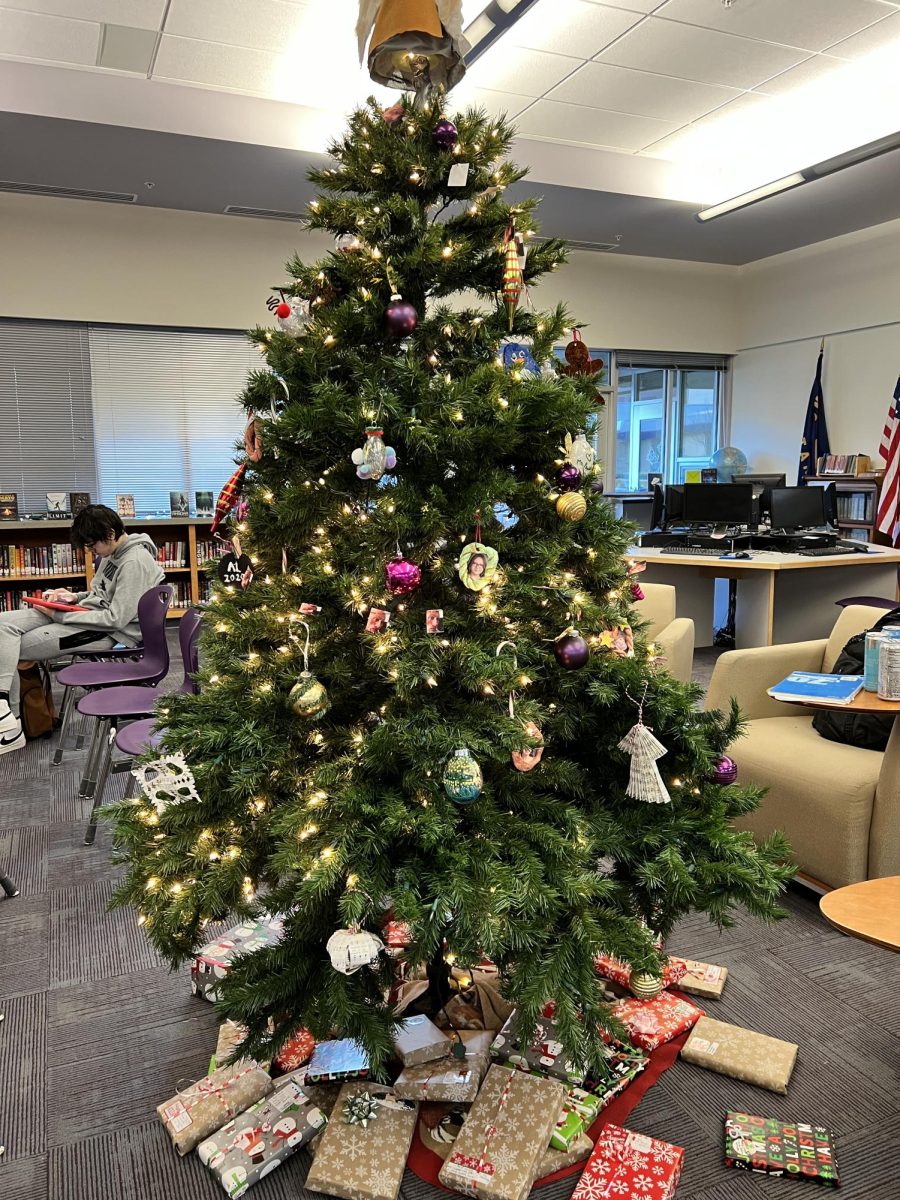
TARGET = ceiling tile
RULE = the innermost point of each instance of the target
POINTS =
(263, 25)
(142, 14)
(48, 39)
(523, 72)
(877, 37)
(577, 28)
(495, 103)
(744, 105)
(638, 6)
(590, 126)
(809, 24)
(619, 89)
(815, 68)
(235, 68)
(704, 55)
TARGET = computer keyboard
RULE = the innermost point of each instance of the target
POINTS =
(822, 551)
(700, 551)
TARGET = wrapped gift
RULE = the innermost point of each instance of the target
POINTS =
(543, 1053)
(651, 1023)
(586, 1104)
(323, 1095)
(296, 1051)
(337, 1061)
(230, 1037)
(620, 972)
(213, 961)
(555, 1160)
(362, 1153)
(569, 1127)
(253, 1144)
(781, 1148)
(207, 1105)
(703, 979)
(621, 1064)
(625, 1164)
(397, 934)
(504, 1137)
(452, 1079)
(419, 1040)
(741, 1053)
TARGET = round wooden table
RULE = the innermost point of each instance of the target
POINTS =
(869, 910)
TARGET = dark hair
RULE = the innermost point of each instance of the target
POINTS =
(96, 523)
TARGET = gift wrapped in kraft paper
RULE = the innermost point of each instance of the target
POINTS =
(452, 1079)
(504, 1137)
(703, 979)
(753, 1057)
(555, 1160)
(418, 1040)
(362, 1153)
(203, 1107)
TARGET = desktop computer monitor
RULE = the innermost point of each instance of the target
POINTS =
(718, 503)
(674, 505)
(638, 510)
(798, 507)
(762, 491)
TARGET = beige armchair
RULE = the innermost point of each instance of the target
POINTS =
(838, 805)
(673, 635)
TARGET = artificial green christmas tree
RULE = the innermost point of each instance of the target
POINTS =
(415, 708)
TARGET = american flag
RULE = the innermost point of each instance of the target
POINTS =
(888, 518)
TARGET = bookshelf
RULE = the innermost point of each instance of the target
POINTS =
(857, 504)
(37, 554)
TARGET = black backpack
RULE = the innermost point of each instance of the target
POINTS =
(856, 729)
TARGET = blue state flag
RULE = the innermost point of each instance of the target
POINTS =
(815, 430)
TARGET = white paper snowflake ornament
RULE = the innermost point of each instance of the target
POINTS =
(167, 780)
(353, 948)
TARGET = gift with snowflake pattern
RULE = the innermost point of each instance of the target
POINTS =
(703, 979)
(620, 972)
(630, 1166)
(456, 1080)
(362, 1153)
(652, 1023)
(554, 1160)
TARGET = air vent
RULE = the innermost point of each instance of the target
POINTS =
(591, 247)
(263, 214)
(64, 193)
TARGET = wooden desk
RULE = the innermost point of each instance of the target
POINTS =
(868, 910)
(780, 597)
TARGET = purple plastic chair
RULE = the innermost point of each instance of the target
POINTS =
(868, 602)
(110, 705)
(147, 670)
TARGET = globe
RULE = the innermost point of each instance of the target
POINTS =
(728, 461)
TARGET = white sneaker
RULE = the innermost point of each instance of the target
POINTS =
(8, 719)
(11, 735)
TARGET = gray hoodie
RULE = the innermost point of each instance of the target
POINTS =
(117, 587)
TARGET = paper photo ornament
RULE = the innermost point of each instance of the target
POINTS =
(477, 565)
(253, 438)
(528, 757)
(619, 639)
(166, 781)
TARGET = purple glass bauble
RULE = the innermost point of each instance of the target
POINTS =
(571, 651)
(402, 577)
(445, 134)
(568, 477)
(400, 318)
(725, 770)
(597, 487)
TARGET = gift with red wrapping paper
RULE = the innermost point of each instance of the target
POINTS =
(626, 1164)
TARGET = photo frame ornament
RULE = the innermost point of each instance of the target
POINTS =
(477, 563)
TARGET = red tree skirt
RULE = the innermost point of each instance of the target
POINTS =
(426, 1163)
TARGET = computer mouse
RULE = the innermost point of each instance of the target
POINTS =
(742, 554)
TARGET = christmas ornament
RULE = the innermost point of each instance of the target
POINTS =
(644, 781)
(645, 986)
(413, 43)
(619, 639)
(235, 570)
(374, 458)
(462, 777)
(290, 312)
(377, 620)
(394, 114)
(434, 620)
(636, 592)
(228, 497)
(360, 1109)
(402, 577)
(571, 506)
(353, 948)
(578, 358)
(505, 515)
(166, 781)
(400, 317)
(513, 279)
(568, 477)
(445, 134)
(580, 453)
(571, 650)
(528, 758)
(517, 357)
(307, 697)
(348, 243)
(597, 487)
(252, 438)
(725, 771)
(477, 563)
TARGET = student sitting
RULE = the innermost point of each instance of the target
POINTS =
(127, 570)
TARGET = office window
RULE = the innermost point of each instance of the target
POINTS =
(46, 430)
(165, 411)
(667, 413)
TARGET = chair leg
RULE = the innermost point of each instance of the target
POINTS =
(102, 777)
(68, 705)
(95, 754)
(8, 886)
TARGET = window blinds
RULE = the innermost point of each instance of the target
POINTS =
(165, 411)
(672, 360)
(46, 431)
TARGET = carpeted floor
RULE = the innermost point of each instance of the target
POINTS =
(97, 1032)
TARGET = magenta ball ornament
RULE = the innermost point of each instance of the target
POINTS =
(401, 576)
(597, 487)
(400, 317)
(725, 771)
(571, 651)
(445, 134)
(568, 477)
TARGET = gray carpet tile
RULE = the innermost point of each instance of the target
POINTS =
(25, 950)
(23, 1067)
(25, 850)
(32, 806)
(24, 1179)
(87, 940)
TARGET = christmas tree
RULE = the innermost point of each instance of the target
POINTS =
(414, 710)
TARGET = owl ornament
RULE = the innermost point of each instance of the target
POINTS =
(578, 358)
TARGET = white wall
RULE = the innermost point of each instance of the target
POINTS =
(81, 261)
(846, 289)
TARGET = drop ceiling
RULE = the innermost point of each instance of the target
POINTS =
(606, 96)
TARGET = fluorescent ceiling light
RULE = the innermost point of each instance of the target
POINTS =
(852, 157)
(748, 198)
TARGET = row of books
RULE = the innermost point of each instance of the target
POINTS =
(208, 549)
(56, 559)
(843, 464)
(855, 506)
(182, 595)
(172, 554)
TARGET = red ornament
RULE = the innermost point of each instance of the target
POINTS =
(402, 577)
(400, 317)
(283, 310)
(228, 497)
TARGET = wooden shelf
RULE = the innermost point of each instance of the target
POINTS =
(855, 524)
(175, 570)
(41, 578)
